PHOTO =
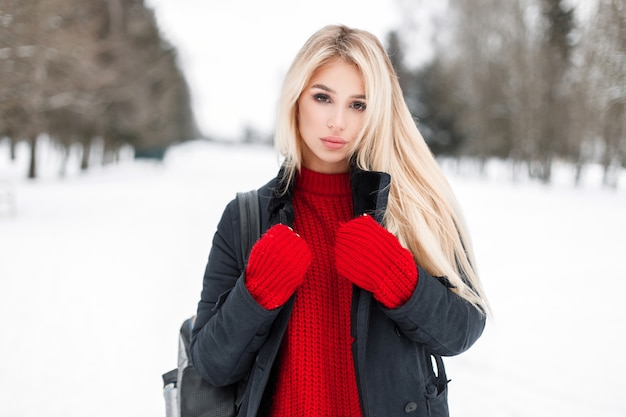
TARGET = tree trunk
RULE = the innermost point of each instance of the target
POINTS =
(611, 173)
(65, 153)
(32, 168)
(84, 163)
(12, 146)
(546, 169)
(578, 175)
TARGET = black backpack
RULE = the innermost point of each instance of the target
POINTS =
(186, 393)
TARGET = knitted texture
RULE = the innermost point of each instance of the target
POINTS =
(276, 267)
(372, 258)
(316, 374)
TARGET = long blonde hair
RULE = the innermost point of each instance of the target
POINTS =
(422, 209)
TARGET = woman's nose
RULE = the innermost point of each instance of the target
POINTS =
(337, 120)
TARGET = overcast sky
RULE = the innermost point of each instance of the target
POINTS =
(236, 52)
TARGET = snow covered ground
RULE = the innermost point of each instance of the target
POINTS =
(98, 270)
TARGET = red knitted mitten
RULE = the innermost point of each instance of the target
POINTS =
(372, 258)
(276, 267)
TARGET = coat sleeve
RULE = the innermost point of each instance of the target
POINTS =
(230, 325)
(439, 319)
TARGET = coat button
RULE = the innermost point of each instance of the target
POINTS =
(410, 407)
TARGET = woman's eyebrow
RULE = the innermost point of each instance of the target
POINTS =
(330, 90)
(323, 87)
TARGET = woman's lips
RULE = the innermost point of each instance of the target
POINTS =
(333, 142)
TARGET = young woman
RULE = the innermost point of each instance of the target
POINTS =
(364, 271)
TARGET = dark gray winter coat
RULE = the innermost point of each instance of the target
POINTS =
(234, 336)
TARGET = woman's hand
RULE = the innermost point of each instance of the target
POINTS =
(277, 265)
(372, 258)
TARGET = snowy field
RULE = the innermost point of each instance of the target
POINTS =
(98, 270)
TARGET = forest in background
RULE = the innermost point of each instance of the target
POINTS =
(533, 82)
(90, 73)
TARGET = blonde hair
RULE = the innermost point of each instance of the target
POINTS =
(422, 209)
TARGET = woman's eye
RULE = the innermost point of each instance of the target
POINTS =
(358, 105)
(322, 98)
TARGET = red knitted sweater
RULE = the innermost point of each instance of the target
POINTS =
(316, 375)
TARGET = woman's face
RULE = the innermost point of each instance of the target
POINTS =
(330, 116)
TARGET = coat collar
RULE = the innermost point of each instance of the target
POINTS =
(370, 193)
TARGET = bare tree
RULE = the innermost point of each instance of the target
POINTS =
(532, 81)
(484, 61)
(556, 26)
(27, 35)
(510, 65)
(83, 70)
(605, 58)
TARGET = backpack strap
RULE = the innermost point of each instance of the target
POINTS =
(249, 220)
(250, 223)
